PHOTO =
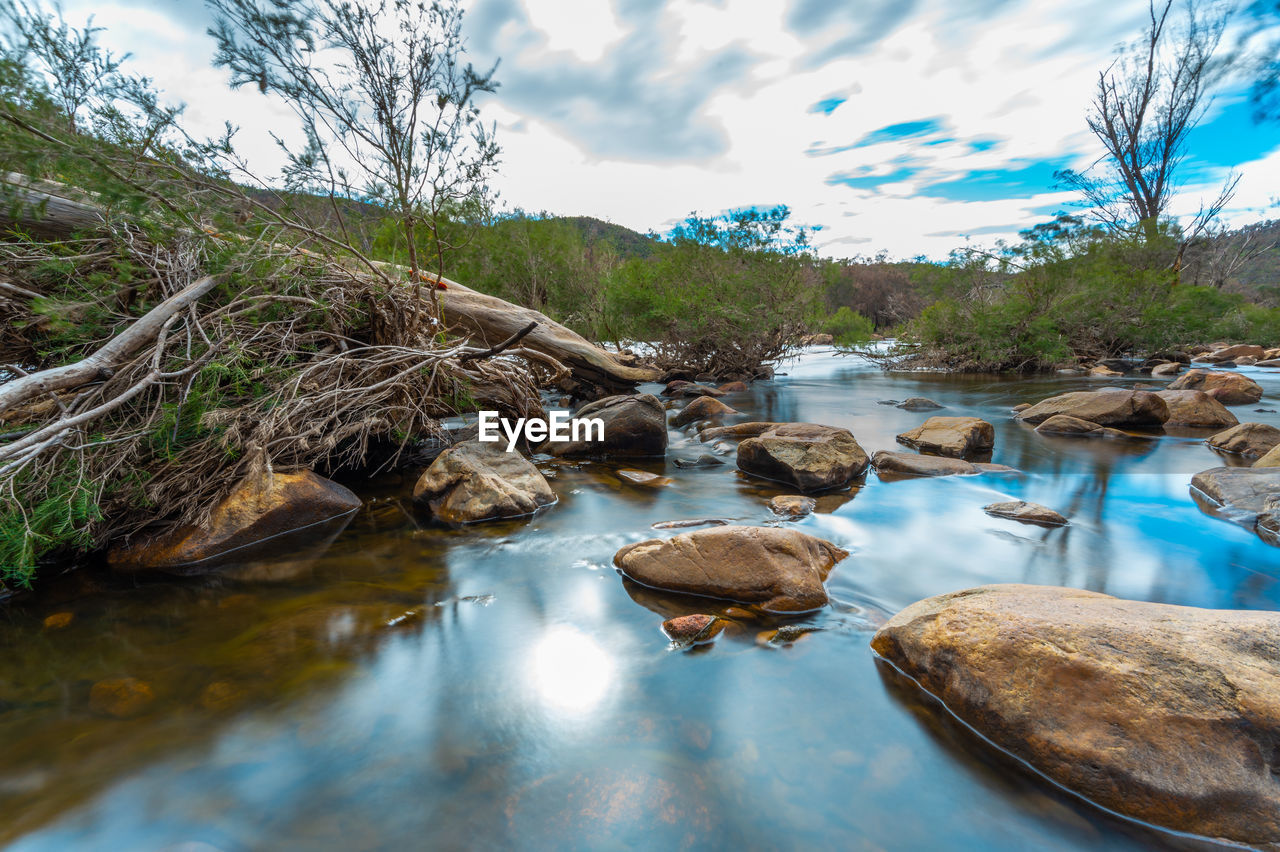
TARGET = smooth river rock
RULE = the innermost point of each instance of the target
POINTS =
(1166, 714)
(809, 456)
(258, 509)
(792, 505)
(1106, 407)
(910, 464)
(776, 569)
(1196, 409)
(919, 403)
(635, 426)
(957, 437)
(1227, 388)
(737, 431)
(1066, 426)
(701, 408)
(1240, 493)
(480, 481)
(1029, 513)
(1247, 439)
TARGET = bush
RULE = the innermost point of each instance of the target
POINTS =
(847, 327)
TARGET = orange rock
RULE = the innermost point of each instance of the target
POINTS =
(121, 697)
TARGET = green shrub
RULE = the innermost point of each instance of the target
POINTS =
(847, 327)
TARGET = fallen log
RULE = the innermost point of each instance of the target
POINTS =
(56, 210)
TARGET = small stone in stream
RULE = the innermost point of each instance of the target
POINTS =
(704, 460)
(1031, 513)
(792, 505)
(643, 477)
(1265, 410)
(919, 403)
(701, 408)
(121, 697)
(910, 464)
(733, 387)
(690, 522)
(690, 390)
(59, 620)
(697, 629)
(1170, 369)
(893, 402)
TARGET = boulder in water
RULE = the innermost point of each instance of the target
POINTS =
(958, 437)
(480, 481)
(635, 426)
(701, 408)
(1105, 406)
(1195, 409)
(1227, 388)
(1027, 513)
(777, 569)
(1246, 439)
(809, 456)
(1166, 714)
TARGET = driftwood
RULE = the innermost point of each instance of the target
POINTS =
(55, 210)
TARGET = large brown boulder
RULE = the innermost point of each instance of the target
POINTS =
(1106, 407)
(635, 426)
(958, 437)
(779, 570)
(701, 408)
(1271, 459)
(481, 481)
(1227, 388)
(261, 507)
(1166, 714)
(809, 456)
(1238, 492)
(1196, 409)
(1247, 439)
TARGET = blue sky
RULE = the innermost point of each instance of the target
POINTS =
(905, 125)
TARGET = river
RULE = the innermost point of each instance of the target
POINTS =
(407, 685)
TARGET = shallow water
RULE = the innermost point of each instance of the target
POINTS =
(407, 685)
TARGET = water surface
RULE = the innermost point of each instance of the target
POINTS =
(406, 684)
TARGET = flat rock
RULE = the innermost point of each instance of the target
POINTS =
(958, 437)
(1106, 407)
(1227, 388)
(1066, 426)
(792, 505)
(919, 403)
(737, 431)
(1166, 714)
(911, 464)
(701, 408)
(260, 508)
(1029, 513)
(697, 629)
(704, 460)
(1193, 408)
(777, 569)
(1246, 439)
(480, 481)
(635, 426)
(644, 477)
(807, 455)
(690, 389)
(1270, 362)
(1241, 350)
(1239, 492)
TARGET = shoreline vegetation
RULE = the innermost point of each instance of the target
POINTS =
(177, 325)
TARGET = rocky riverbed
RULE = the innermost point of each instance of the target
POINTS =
(723, 632)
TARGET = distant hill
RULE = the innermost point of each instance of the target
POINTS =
(627, 242)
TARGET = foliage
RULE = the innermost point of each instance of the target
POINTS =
(847, 327)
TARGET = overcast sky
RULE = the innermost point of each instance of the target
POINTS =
(899, 125)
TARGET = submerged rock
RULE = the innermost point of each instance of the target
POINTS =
(779, 570)
(644, 477)
(1227, 388)
(809, 456)
(481, 481)
(733, 387)
(919, 403)
(1247, 439)
(689, 522)
(1106, 407)
(704, 460)
(635, 426)
(792, 505)
(702, 408)
(1166, 714)
(1030, 513)
(1195, 408)
(121, 697)
(957, 437)
(258, 509)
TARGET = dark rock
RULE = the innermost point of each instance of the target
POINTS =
(704, 460)
(736, 432)
(919, 403)
(635, 426)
